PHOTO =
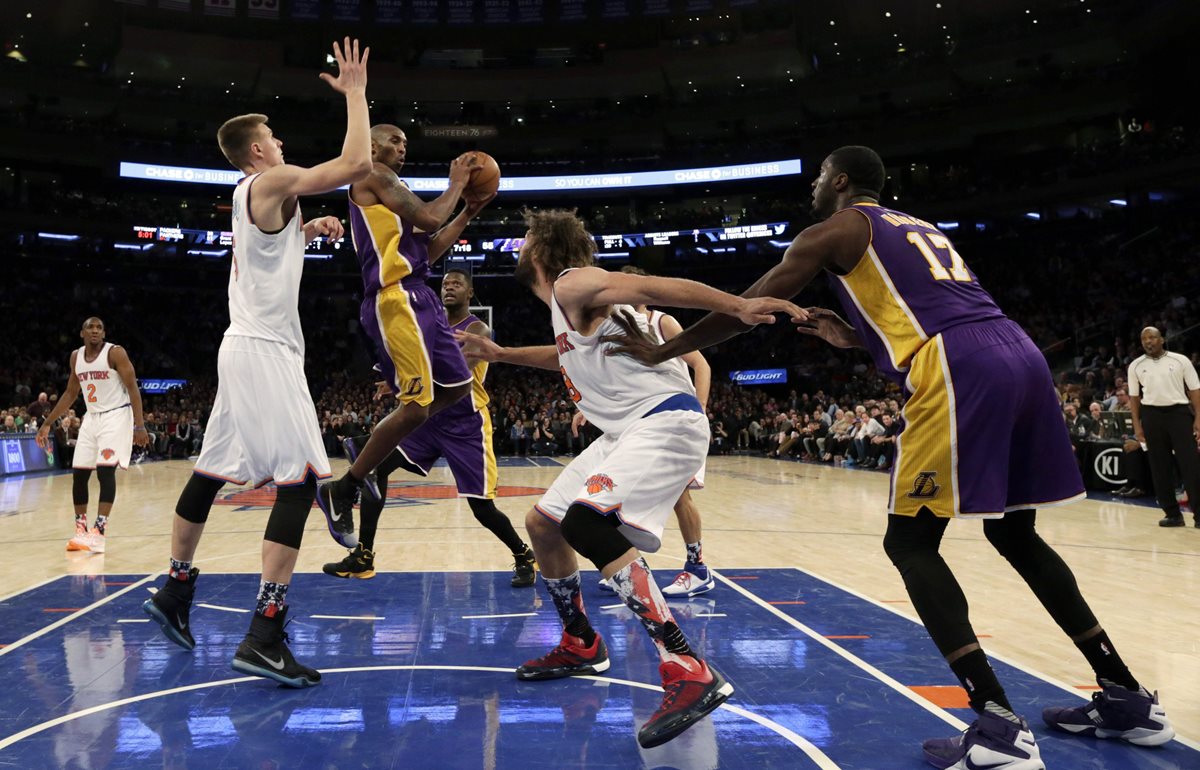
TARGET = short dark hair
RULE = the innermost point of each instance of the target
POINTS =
(466, 276)
(236, 135)
(559, 240)
(864, 167)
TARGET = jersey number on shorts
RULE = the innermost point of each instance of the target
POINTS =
(958, 271)
(574, 394)
(91, 396)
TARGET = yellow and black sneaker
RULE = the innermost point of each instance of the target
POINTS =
(524, 569)
(359, 563)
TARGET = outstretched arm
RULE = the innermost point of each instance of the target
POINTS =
(480, 348)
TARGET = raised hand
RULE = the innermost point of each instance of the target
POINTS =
(830, 327)
(460, 168)
(352, 68)
(761, 310)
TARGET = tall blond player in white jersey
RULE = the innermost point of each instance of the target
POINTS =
(263, 427)
(614, 498)
(112, 424)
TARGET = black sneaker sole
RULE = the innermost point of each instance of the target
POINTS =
(365, 575)
(169, 631)
(563, 673)
(246, 667)
(718, 693)
(325, 503)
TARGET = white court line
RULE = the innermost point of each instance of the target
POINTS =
(509, 615)
(347, 617)
(610, 606)
(1191, 744)
(36, 585)
(710, 615)
(942, 714)
(78, 613)
(219, 607)
(133, 620)
(823, 762)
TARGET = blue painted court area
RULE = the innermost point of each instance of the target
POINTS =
(414, 677)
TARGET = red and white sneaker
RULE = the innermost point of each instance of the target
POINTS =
(96, 541)
(691, 690)
(569, 658)
(81, 541)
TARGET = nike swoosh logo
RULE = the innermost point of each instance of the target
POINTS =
(275, 664)
(182, 623)
(971, 765)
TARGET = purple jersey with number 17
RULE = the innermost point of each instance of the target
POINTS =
(909, 286)
(982, 429)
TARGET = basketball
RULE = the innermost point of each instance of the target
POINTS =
(485, 176)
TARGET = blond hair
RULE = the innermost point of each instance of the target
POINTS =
(236, 135)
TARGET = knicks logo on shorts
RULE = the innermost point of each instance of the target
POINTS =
(599, 483)
(107, 454)
(924, 485)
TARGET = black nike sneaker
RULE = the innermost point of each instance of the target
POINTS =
(336, 500)
(169, 607)
(264, 652)
(359, 563)
(524, 569)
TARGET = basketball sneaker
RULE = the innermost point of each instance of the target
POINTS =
(96, 541)
(81, 539)
(336, 500)
(569, 658)
(169, 607)
(992, 741)
(264, 652)
(353, 445)
(695, 579)
(606, 586)
(691, 690)
(1115, 712)
(524, 569)
(359, 563)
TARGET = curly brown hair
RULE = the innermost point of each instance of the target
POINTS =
(559, 240)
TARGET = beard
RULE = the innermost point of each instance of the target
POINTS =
(526, 273)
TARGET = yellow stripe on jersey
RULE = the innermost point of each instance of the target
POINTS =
(479, 396)
(386, 229)
(405, 346)
(491, 476)
(875, 296)
(926, 473)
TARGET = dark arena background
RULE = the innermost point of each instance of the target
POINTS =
(1054, 142)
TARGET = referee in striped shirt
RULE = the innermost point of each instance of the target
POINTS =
(1161, 387)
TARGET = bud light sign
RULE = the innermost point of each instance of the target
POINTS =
(159, 386)
(759, 377)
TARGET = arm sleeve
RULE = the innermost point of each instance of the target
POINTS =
(1135, 387)
(1190, 380)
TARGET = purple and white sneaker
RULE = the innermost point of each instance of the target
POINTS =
(1115, 712)
(991, 742)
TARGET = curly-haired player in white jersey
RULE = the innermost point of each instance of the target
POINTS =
(112, 424)
(614, 498)
(263, 425)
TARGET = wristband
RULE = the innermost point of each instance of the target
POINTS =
(136, 428)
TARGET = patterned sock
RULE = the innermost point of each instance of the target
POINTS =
(271, 598)
(636, 587)
(694, 553)
(1105, 661)
(81, 522)
(101, 523)
(568, 600)
(180, 570)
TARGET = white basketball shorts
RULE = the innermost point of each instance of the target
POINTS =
(263, 425)
(105, 439)
(636, 476)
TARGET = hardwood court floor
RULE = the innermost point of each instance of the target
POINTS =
(1143, 582)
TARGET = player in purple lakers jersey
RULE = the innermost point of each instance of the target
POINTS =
(396, 237)
(983, 438)
(462, 433)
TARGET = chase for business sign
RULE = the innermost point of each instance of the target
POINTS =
(759, 376)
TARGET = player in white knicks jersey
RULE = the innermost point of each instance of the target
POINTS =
(263, 425)
(614, 498)
(103, 374)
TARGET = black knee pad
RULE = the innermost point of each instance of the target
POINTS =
(107, 474)
(911, 536)
(285, 525)
(79, 486)
(197, 497)
(594, 536)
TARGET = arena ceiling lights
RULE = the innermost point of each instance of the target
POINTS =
(570, 183)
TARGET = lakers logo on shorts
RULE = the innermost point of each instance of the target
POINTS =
(924, 485)
(599, 483)
(415, 386)
(107, 454)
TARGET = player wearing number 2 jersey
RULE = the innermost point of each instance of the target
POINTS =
(982, 436)
(613, 499)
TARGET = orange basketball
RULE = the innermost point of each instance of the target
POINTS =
(485, 176)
